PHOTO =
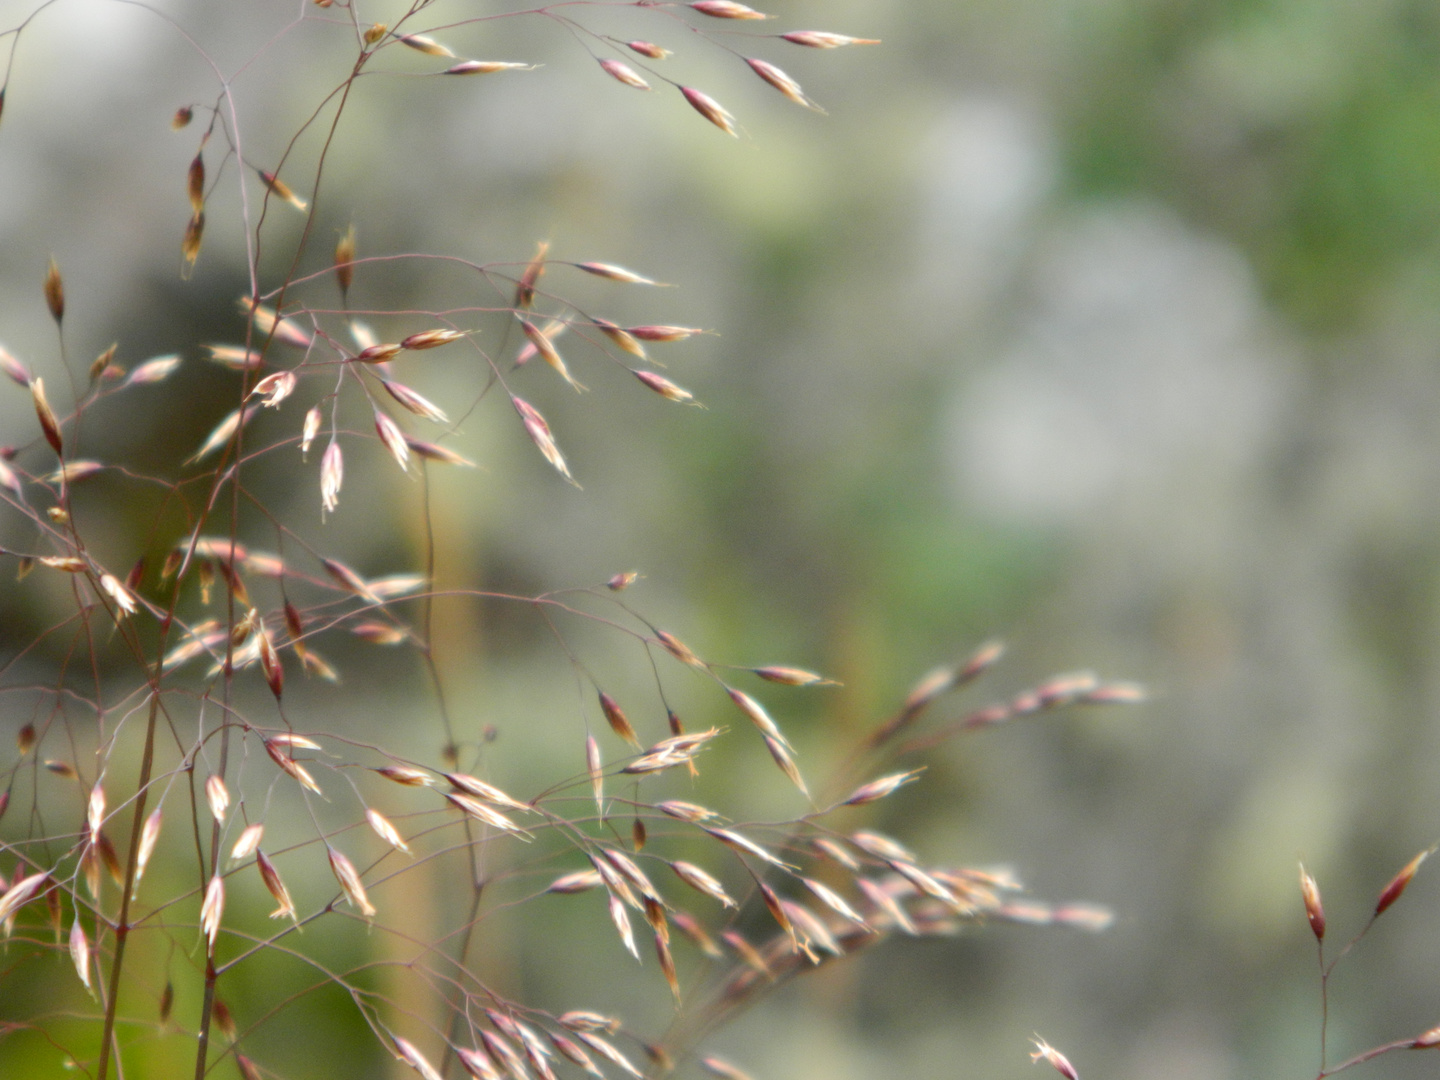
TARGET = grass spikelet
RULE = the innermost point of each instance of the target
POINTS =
(548, 352)
(822, 39)
(1397, 885)
(149, 837)
(477, 1064)
(427, 339)
(195, 183)
(757, 714)
(485, 814)
(782, 82)
(618, 721)
(608, 1052)
(394, 439)
(117, 592)
(345, 261)
(665, 388)
(349, 580)
(275, 886)
(402, 774)
(190, 242)
(151, 371)
(54, 291)
(80, 951)
(486, 67)
(268, 323)
(648, 49)
(1047, 1053)
(282, 190)
(290, 766)
(427, 45)
(614, 273)
(781, 753)
(624, 73)
(181, 119)
(212, 909)
(1314, 909)
(699, 880)
(664, 333)
(878, 789)
(594, 764)
(349, 879)
(218, 796)
(332, 475)
(621, 337)
(737, 842)
(432, 452)
(13, 368)
(578, 882)
(834, 901)
(46, 415)
(539, 432)
(489, 792)
(247, 843)
(723, 1069)
(407, 1053)
(309, 429)
(525, 287)
(726, 9)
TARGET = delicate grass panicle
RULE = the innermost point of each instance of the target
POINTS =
(163, 815)
(1315, 914)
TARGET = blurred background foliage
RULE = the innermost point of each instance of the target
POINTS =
(1105, 327)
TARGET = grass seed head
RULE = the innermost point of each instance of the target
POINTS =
(618, 721)
(349, 879)
(726, 9)
(822, 39)
(615, 273)
(1400, 881)
(275, 886)
(218, 796)
(1314, 910)
(54, 291)
(624, 73)
(648, 48)
(282, 191)
(427, 45)
(212, 909)
(48, 423)
(782, 82)
(195, 183)
(1047, 1053)
(664, 387)
(247, 844)
(345, 260)
(486, 67)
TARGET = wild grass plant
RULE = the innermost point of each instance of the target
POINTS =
(190, 859)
